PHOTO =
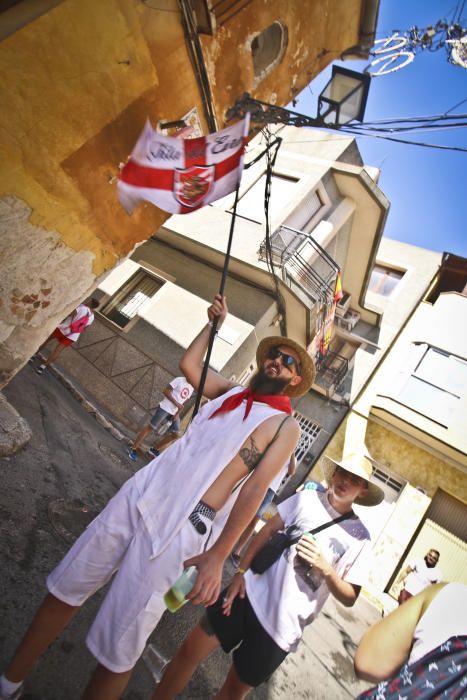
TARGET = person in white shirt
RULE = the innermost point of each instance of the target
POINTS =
(262, 616)
(176, 394)
(419, 574)
(69, 331)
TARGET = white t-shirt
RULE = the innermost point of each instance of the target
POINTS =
(181, 392)
(81, 311)
(282, 597)
(445, 617)
(421, 576)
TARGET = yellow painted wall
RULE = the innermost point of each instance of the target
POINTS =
(413, 463)
(71, 111)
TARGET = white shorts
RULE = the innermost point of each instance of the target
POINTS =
(117, 540)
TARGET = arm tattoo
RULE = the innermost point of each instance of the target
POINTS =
(250, 455)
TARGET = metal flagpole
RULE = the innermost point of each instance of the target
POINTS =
(212, 335)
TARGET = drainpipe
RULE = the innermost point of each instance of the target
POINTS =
(195, 52)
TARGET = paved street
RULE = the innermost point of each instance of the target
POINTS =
(71, 458)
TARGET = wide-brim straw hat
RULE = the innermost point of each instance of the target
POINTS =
(360, 465)
(308, 369)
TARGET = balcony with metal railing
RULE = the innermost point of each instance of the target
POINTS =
(305, 266)
(331, 371)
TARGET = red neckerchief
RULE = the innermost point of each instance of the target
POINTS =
(282, 403)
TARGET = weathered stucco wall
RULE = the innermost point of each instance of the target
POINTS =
(318, 32)
(77, 84)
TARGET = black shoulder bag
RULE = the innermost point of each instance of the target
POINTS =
(280, 541)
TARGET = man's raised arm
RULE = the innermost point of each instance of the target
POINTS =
(191, 363)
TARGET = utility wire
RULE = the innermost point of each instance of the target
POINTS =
(457, 105)
(412, 143)
(429, 118)
(418, 128)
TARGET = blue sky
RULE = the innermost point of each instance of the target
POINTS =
(427, 187)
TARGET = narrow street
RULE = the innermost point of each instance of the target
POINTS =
(71, 459)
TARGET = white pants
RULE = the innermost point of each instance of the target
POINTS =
(118, 541)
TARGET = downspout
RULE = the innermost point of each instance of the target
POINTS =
(195, 52)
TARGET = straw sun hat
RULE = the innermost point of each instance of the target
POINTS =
(308, 370)
(360, 465)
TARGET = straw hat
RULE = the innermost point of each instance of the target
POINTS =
(360, 465)
(308, 366)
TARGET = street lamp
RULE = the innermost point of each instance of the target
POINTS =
(344, 97)
(342, 100)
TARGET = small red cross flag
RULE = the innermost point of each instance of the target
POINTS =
(182, 175)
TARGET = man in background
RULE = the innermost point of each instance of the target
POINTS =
(175, 395)
(418, 575)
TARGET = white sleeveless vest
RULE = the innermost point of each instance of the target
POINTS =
(171, 485)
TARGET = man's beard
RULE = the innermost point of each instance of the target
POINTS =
(260, 383)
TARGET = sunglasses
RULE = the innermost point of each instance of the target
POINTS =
(287, 360)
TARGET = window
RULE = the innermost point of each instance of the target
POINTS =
(384, 280)
(128, 301)
(436, 386)
(391, 484)
(267, 49)
(251, 205)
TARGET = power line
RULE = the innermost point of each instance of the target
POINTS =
(457, 105)
(412, 143)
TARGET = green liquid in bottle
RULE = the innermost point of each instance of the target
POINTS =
(174, 600)
(175, 597)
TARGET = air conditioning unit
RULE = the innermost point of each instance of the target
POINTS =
(348, 321)
(343, 305)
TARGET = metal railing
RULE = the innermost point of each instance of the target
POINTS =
(303, 262)
(332, 368)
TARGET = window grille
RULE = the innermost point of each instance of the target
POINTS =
(309, 433)
(387, 479)
(127, 302)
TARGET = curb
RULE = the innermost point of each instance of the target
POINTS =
(86, 404)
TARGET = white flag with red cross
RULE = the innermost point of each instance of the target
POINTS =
(182, 175)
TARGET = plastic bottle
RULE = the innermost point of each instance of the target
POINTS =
(175, 597)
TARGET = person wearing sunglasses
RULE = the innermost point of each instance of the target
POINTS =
(186, 508)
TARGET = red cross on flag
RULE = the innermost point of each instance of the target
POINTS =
(182, 175)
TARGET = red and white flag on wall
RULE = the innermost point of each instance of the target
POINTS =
(182, 175)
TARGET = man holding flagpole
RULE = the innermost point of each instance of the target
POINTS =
(153, 528)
